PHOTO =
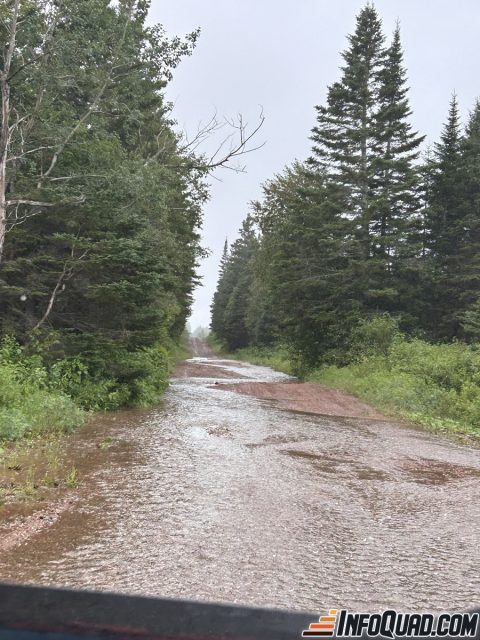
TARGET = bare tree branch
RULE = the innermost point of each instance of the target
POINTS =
(238, 149)
(26, 153)
(35, 203)
(65, 275)
(237, 143)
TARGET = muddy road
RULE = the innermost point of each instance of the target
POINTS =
(238, 497)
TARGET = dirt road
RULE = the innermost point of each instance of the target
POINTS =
(227, 494)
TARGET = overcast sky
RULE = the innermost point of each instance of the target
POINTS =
(282, 55)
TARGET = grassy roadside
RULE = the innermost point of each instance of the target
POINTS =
(436, 386)
(39, 408)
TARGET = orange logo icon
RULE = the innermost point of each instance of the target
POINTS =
(324, 627)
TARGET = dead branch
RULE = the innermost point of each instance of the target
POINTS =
(65, 275)
(31, 203)
(232, 146)
(240, 147)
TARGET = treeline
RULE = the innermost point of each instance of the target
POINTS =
(364, 227)
(100, 204)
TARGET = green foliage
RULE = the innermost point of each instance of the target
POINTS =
(374, 336)
(362, 253)
(436, 385)
(278, 358)
(339, 235)
(116, 377)
(28, 403)
(230, 304)
(471, 322)
(36, 399)
(98, 281)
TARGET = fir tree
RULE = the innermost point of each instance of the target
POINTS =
(230, 304)
(397, 182)
(443, 215)
(345, 138)
(445, 227)
(220, 297)
(467, 280)
(307, 264)
(395, 232)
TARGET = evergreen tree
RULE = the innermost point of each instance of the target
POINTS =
(345, 138)
(307, 263)
(233, 291)
(443, 214)
(445, 227)
(362, 228)
(467, 280)
(220, 297)
(104, 269)
(397, 148)
(395, 229)
(364, 142)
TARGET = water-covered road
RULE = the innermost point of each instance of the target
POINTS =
(221, 496)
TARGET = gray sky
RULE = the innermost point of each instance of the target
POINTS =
(282, 55)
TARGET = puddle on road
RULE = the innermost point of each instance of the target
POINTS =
(220, 496)
(435, 472)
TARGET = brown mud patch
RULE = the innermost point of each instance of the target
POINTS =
(237, 363)
(200, 370)
(435, 472)
(36, 517)
(308, 397)
(35, 475)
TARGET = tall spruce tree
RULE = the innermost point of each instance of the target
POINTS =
(444, 221)
(345, 138)
(220, 297)
(398, 179)
(467, 280)
(362, 227)
(229, 309)
(395, 228)
(307, 264)
(443, 215)
(364, 142)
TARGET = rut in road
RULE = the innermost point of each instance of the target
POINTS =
(222, 496)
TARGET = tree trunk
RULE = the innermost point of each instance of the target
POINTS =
(4, 144)
(5, 130)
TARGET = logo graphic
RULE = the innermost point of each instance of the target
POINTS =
(392, 624)
(324, 627)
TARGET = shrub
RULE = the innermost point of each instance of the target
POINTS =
(28, 405)
(374, 336)
(437, 385)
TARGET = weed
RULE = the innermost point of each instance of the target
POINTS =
(105, 444)
(71, 479)
(29, 487)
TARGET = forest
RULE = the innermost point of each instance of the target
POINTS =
(360, 265)
(101, 201)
